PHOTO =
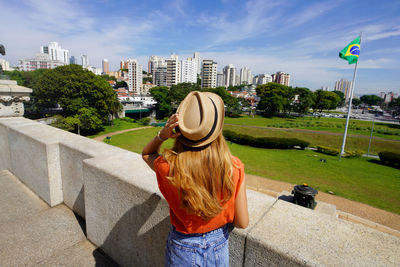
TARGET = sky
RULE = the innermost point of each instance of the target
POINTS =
(302, 38)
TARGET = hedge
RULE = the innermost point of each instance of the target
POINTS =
(264, 142)
(328, 150)
(390, 158)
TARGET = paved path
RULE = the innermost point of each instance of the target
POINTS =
(34, 234)
(101, 137)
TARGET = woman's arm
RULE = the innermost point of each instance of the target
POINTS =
(151, 151)
(241, 213)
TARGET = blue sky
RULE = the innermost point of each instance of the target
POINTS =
(300, 37)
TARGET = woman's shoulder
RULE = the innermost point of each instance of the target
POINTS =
(237, 162)
(161, 164)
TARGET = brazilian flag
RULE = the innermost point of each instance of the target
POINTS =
(351, 51)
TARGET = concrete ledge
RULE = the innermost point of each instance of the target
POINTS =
(72, 154)
(35, 158)
(125, 214)
(291, 235)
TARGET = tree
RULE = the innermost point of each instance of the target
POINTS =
(325, 100)
(274, 98)
(179, 91)
(355, 102)
(305, 100)
(371, 100)
(120, 84)
(115, 107)
(394, 106)
(341, 96)
(74, 88)
(232, 104)
(163, 98)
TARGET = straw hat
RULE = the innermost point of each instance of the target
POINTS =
(201, 118)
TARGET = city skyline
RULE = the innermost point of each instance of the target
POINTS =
(295, 37)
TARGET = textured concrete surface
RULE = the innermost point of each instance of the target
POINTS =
(125, 214)
(14, 194)
(72, 154)
(258, 205)
(292, 235)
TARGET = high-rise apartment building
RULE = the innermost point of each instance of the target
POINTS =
(85, 61)
(245, 76)
(281, 78)
(263, 79)
(135, 78)
(229, 75)
(160, 76)
(73, 60)
(106, 66)
(197, 59)
(41, 61)
(56, 52)
(343, 86)
(155, 62)
(209, 74)
(188, 71)
(220, 79)
(123, 65)
(173, 70)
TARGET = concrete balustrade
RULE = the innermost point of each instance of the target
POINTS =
(127, 217)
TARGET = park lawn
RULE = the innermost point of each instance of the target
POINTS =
(360, 127)
(118, 126)
(335, 141)
(357, 179)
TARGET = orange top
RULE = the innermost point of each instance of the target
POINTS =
(191, 223)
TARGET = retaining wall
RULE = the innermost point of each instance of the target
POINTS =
(127, 217)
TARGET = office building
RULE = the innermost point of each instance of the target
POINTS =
(106, 66)
(189, 71)
(209, 74)
(229, 75)
(85, 61)
(73, 60)
(173, 70)
(135, 78)
(344, 86)
(41, 61)
(55, 52)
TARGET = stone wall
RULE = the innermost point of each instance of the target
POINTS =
(127, 217)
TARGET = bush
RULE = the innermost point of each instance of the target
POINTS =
(264, 142)
(127, 119)
(328, 150)
(354, 154)
(390, 158)
(145, 121)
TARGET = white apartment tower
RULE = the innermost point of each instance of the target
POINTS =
(173, 70)
(85, 61)
(154, 63)
(209, 74)
(189, 71)
(135, 76)
(56, 52)
(343, 86)
(230, 75)
(220, 79)
(245, 76)
(196, 58)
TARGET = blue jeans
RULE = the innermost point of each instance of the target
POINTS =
(208, 249)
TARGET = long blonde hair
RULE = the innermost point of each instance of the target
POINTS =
(203, 176)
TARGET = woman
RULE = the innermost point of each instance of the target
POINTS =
(201, 181)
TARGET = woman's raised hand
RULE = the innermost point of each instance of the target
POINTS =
(168, 130)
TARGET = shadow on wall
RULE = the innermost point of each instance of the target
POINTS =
(134, 241)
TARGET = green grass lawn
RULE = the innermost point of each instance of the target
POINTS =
(334, 141)
(118, 126)
(357, 179)
(360, 127)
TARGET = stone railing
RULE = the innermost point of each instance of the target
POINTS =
(127, 217)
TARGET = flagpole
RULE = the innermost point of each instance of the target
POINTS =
(349, 109)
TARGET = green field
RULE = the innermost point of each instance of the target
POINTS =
(358, 179)
(336, 125)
